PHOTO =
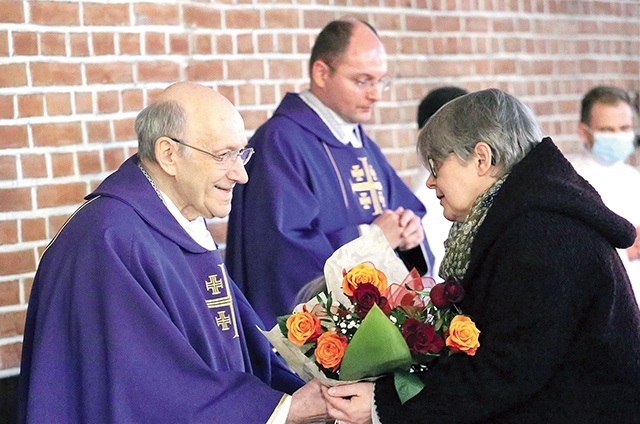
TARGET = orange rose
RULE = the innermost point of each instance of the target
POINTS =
(330, 350)
(303, 327)
(363, 273)
(463, 335)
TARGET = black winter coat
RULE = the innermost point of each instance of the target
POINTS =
(560, 328)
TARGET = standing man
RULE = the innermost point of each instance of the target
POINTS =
(132, 315)
(318, 180)
(606, 130)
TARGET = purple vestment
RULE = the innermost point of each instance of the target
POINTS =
(130, 320)
(307, 193)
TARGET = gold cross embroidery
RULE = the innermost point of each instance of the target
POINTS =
(214, 284)
(367, 187)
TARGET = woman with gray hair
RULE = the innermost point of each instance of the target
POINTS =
(534, 248)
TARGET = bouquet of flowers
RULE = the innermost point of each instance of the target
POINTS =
(374, 319)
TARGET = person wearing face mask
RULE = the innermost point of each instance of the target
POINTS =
(606, 130)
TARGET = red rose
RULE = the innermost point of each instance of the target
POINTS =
(421, 337)
(444, 294)
(365, 296)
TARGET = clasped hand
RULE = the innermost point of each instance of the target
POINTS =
(401, 227)
(347, 404)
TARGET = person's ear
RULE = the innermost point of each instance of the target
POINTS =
(585, 134)
(166, 151)
(320, 73)
(483, 157)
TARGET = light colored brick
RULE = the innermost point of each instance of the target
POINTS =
(49, 196)
(58, 134)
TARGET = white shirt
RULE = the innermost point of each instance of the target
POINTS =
(619, 187)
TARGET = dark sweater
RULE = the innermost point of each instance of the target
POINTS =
(560, 328)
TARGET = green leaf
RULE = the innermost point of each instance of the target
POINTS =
(407, 385)
(376, 348)
(282, 324)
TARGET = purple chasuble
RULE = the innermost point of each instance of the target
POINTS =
(130, 320)
(306, 196)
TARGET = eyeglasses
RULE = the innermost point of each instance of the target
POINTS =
(226, 159)
(433, 167)
(365, 84)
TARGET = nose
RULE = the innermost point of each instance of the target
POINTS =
(431, 182)
(374, 91)
(238, 173)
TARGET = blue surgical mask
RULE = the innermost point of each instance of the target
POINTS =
(613, 147)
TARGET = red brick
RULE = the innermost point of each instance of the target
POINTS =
(106, 14)
(123, 130)
(266, 44)
(108, 101)
(52, 44)
(156, 14)
(113, 158)
(98, 131)
(281, 18)
(242, 18)
(84, 102)
(17, 262)
(4, 43)
(13, 136)
(12, 12)
(54, 13)
(246, 69)
(132, 100)
(56, 222)
(103, 43)
(6, 107)
(30, 105)
(158, 71)
(8, 170)
(179, 43)
(284, 69)
(195, 16)
(62, 164)
(13, 75)
(15, 199)
(9, 293)
(154, 43)
(58, 134)
(12, 323)
(129, 44)
(25, 43)
(109, 73)
(247, 95)
(89, 163)
(58, 103)
(33, 166)
(34, 229)
(28, 282)
(419, 23)
(55, 74)
(224, 44)
(202, 44)
(8, 232)
(10, 355)
(204, 71)
(50, 196)
(79, 43)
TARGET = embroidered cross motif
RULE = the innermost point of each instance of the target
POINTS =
(214, 284)
(226, 317)
(223, 320)
(367, 187)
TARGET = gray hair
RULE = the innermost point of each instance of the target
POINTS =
(162, 119)
(492, 116)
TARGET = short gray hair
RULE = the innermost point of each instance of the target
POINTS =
(492, 116)
(160, 119)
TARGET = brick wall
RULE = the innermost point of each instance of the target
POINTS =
(74, 74)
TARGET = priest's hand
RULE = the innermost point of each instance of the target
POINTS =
(412, 232)
(634, 251)
(307, 405)
(389, 223)
(350, 403)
